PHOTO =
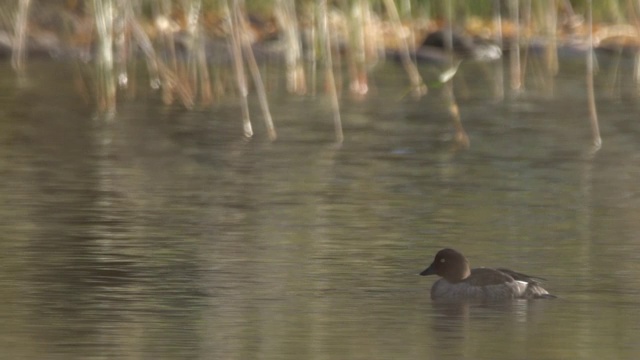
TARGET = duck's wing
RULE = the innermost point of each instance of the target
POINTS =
(533, 289)
(487, 277)
(521, 277)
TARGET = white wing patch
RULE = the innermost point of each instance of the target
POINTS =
(521, 286)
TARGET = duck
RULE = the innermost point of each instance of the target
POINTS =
(434, 47)
(460, 283)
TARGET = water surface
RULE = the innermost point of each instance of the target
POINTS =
(165, 234)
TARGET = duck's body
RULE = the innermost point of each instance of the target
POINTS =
(462, 45)
(459, 283)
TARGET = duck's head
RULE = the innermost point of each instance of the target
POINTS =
(449, 264)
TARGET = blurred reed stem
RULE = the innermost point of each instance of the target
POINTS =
(593, 112)
(285, 14)
(20, 35)
(419, 88)
(247, 51)
(497, 24)
(323, 29)
(514, 48)
(106, 89)
(236, 52)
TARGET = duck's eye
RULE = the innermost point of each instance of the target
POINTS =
(442, 260)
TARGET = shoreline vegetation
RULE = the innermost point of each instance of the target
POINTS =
(184, 42)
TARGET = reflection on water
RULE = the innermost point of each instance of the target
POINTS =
(165, 233)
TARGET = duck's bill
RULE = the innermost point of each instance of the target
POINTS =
(428, 271)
